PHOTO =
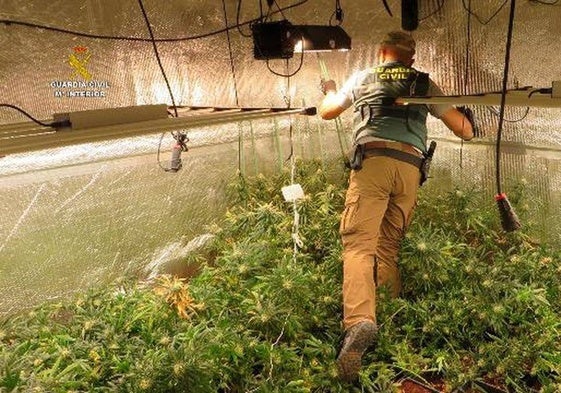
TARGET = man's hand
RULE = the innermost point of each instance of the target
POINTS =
(458, 123)
(334, 102)
(468, 113)
(328, 85)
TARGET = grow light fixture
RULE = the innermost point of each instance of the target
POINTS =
(272, 40)
(117, 123)
(527, 96)
(280, 40)
(314, 38)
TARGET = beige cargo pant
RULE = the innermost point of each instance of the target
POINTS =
(378, 207)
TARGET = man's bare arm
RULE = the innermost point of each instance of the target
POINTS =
(334, 103)
(458, 124)
(331, 106)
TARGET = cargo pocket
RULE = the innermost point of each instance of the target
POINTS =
(349, 216)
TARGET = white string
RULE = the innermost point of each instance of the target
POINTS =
(295, 224)
(297, 242)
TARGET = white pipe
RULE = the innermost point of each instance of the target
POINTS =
(513, 98)
(32, 139)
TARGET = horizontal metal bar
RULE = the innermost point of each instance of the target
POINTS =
(18, 143)
(513, 98)
(23, 126)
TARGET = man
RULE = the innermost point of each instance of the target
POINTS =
(389, 141)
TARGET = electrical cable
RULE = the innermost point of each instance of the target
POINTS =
(159, 60)
(479, 18)
(534, 91)
(270, 4)
(496, 113)
(159, 152)
(274, 2)
(125, 38)
(26, 114)
(468, 43)
(503, 96)
(54, 124)
(296, 240)
(233, 71)
(338, 14)
(232, 66)
(387, 7)
(440, 5)
(466, 74)
(289, 74)
(238, 27)
(267, 61)
(509, 219)
(178, 137)
(288, 101)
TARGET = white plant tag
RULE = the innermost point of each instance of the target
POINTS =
(292, 192)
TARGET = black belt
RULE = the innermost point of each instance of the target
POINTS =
(397, 154)
(402, 112)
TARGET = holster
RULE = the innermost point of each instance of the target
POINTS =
(425, 163)
(355, 158)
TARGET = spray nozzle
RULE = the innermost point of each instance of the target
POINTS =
(179, 147)
(509, 219)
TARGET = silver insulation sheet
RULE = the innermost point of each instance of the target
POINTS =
(88, 215)
(79, 216)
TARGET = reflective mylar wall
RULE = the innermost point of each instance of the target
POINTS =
(78, 216)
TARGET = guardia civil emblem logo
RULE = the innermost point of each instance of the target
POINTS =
(78, 60)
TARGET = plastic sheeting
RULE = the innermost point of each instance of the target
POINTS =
(78, 216)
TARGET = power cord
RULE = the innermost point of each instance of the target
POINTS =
(9, 22)
(466, 74)
(546, 90)
(439, 7)
(296, 240)
(180, 137)
(55, 124)
(338, 14)
(233, 71)
(230, 52)
(267, 60)
(153, 41)
(268, 64)
(288, 73)
(509, 220)
(291, 73)
(503, 97)
(387, 7)
(238, 26)
(468, 9)
(496, 113)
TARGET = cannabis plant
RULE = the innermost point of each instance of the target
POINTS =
(478, 306)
